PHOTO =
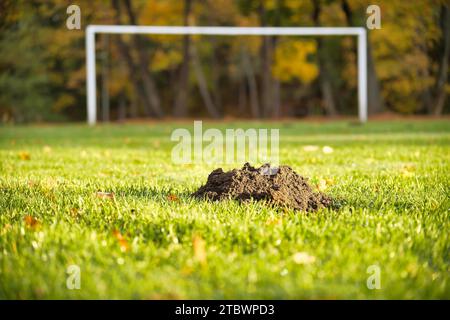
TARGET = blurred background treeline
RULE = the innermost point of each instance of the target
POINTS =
(43, 71)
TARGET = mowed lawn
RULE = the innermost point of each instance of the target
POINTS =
(152, 240)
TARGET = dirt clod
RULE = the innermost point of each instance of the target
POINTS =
(280, 186)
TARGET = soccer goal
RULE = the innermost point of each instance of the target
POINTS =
(92, 30)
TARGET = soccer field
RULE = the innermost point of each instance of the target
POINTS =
(145, 237)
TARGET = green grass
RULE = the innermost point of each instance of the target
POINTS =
(392, 178)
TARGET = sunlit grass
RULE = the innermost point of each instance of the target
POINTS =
(392, 179)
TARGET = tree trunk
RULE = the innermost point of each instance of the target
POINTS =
(122, 112)
(132, 70)
(215, 65)
(252, 84)
(180, 109)
(375, 100)
(276, 98)
(242, 97)
(202, 84)
(133, 107)
(424, 73)
(266, 59)
(125, 55)
(324, 79)
(275, 82)
(266, 85)
(443, 68)
(215, 76)
(149, 83)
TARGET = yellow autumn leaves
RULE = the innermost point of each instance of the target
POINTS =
(293, 61)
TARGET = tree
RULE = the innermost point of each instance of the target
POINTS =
(266, 61)
(324, 79)
(147, 78)
(442, 79)
(149, 75)
(203, 86)
(133, 69)
(249, 75)
(180, 108)
(375, 101)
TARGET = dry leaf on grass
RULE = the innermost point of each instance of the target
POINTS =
(105, 195)
(274, 221)
(123, 243)
(23, 155)
(74, 212)
(31, 222)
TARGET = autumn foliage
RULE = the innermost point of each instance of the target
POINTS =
(43, 63)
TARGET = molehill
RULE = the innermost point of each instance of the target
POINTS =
(280, 186)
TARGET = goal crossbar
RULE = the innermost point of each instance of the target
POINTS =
(92, 30)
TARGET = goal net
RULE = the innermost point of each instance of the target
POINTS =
(92, 30)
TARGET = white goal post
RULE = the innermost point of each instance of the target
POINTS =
(91, 30)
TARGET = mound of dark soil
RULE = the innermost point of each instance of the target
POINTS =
(280, 186)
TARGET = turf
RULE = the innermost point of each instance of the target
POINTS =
(153, 241)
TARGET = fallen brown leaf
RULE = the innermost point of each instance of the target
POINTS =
(31, 222)
(274, 221)
(23, 155)
(123, 243)
(105, 195)
(74, 212)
